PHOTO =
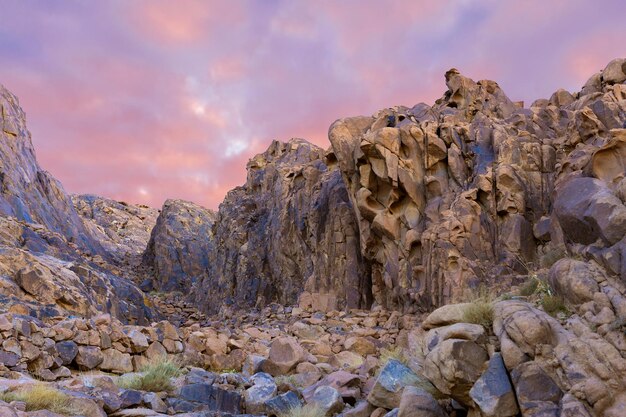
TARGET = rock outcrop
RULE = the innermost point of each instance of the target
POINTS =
(51, 263)
(29, 193)
(180, 245)
(476, 188)
(290, 229)
(122, 229)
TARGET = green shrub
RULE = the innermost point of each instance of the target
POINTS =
(155, 376)
(553, 304)
(42, 397)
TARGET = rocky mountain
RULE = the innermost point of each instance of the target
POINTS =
(474, 189)
(462, 259)
(51, 261)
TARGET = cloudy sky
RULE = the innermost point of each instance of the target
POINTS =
(147, 100)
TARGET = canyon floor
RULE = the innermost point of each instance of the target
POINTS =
(462, 259)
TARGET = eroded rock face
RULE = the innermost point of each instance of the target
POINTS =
(289, 229)
(26, 191)
(122, 229)
(474, 188)
(51, 263)
(180, 245)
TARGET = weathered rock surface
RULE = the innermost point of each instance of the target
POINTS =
(289, 229)
(475, 188)
(122, 229)
(180, 246)
(51, 262)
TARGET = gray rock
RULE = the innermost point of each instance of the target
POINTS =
(328, 400)
(393, 378)
(180, 245)
(493, 392)
(67, 351)
(256, 396)
(281, 405)
(214, 398)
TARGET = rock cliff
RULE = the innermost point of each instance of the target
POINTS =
(474, 189)
(289, 229)
(51, 262)
(179, 247)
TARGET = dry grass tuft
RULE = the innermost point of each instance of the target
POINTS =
(155, 376)
(553, 304)
(479, 312)
(42, 397)
(309, 410)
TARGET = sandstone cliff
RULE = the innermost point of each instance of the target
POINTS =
(476, 188)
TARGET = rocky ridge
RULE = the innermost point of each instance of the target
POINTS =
(517, 213)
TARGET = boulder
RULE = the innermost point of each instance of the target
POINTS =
(493, 393)
(328, 400)
(285, 354)
(393, 378)
(89, 357)
(417, 402)
(256, 396)
(454, 365)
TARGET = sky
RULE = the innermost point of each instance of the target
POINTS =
(146, 100)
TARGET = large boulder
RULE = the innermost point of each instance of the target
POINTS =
(493, 393)
(394, 377)
(454, 365)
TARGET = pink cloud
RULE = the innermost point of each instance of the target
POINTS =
(149, 100)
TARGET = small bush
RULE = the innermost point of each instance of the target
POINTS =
(553, 304)
(479, 312)
(309, 410)
(155, 376)
(529, 288)
(42, 397)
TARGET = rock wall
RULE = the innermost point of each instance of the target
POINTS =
(26, 191)
(51, 263)
(122, 229)
(475, 189)
(180, 245)
(289, 229)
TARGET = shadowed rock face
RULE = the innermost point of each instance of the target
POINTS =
(475, 187)
(289, 229)
(26, 191)
(179, 246)
(51, 263)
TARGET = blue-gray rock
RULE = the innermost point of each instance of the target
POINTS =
(179, 246)
(10, 359)
(393, 378)
(264, 389)
(493, 392)
(130, 398)
(281, 405)
(328, 400)
(214, 398)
